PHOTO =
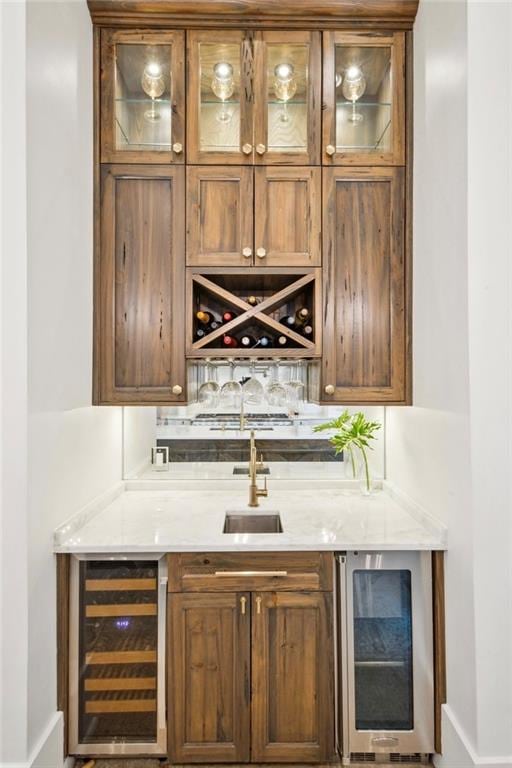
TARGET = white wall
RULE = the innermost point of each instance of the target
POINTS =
(13, 393)
(69, 451)
(75, 451)
(445, 451)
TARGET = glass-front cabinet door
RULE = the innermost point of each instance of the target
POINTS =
(219, 97)
(390, 688)
(287, 98)
(142, 97)
(364, 95)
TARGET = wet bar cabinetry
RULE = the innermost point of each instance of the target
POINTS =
(227, 143)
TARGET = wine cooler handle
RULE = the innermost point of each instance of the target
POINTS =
(243, 601)
(258, 604)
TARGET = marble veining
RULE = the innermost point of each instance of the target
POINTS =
(191, 518)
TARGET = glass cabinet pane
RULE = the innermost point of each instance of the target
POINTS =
(143, 81)
(383, 650)
(363, 88)
(219, 99)
(287, 97)
(118, 648)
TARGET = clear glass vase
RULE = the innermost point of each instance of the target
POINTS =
(357, 469)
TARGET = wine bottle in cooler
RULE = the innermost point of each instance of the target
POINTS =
(205, 318)
(247, 341)
(288, 320)
(302, 316)
(229, 342)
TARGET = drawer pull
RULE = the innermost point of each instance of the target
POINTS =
(250, 574)
(258, 604)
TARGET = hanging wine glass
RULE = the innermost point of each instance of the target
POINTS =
(223, 86)
(253, 389)
(285, 87)
(354, 86)
(153, 85)
(275, 391)
(231, 391)
(295, 386)
(208, 394)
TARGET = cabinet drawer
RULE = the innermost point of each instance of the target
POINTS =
(262, 571)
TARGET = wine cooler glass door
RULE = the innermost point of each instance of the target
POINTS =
(117, 657)
(390, 653)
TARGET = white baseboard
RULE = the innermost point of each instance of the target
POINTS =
(48, 751)
(458, 752)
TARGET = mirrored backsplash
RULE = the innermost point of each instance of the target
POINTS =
(210, 437)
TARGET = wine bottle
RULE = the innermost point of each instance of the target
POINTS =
(282, 341)
(214, 325)
(307, 330)
(252, 300)
(204, 317)
(228, 316)
(229, 341)
(302, 315)
(288, 320)
(200, 333)
(247, 341)
(265, 342)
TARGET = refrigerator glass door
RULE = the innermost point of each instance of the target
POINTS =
(389, 653)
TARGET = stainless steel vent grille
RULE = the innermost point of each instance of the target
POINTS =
(363, 757)
(413, 757)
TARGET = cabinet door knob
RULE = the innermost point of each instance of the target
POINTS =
(330, 149)
(247, 149)
(247, 253)
(329, 389)
(177, 389)
(177, 148)
(261, 149)
(261, 253)
(243, 601)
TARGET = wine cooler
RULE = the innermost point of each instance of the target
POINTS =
(117, 656)
(386, 670)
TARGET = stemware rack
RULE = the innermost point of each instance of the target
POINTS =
(278, 291)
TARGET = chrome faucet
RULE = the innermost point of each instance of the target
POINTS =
(254, 491)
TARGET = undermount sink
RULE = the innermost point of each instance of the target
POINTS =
(258, 522)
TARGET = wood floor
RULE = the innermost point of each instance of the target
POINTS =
(150, 763)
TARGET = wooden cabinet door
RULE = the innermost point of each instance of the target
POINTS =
(287, 97)
(219, 97)
(288, 217)
(209, 677)
(364, 98)
(142, 95)
(219, 216)
(292, 677)
(364, 340)
(139, 302)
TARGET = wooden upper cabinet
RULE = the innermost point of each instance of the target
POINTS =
(364, 98)
(219, 216)
(364, 340)
(219, 97)
(292, 676)
(288, 216)
(287, 98)
(139, 310)
(253, 97)
(142, 97)
(209, 677)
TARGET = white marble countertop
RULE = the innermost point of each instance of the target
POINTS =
(187, 516)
